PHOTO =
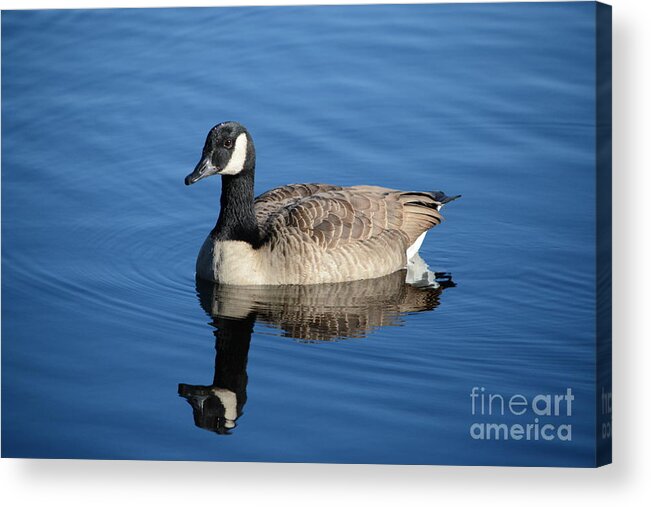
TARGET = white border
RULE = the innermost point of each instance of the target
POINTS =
(105, 483)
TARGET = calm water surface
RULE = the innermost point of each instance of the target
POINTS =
(104, 326)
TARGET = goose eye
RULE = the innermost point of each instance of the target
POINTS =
(228, 143)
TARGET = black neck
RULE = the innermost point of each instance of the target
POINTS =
(237, 220)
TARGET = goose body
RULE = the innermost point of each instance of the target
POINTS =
(304, 233)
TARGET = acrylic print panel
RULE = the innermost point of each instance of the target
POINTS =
(112, 350)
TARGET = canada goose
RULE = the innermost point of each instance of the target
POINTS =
(304, 233)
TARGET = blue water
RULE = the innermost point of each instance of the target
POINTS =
(104, 113)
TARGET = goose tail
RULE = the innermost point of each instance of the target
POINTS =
(441, 198)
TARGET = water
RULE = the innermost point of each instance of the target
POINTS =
(103, 325)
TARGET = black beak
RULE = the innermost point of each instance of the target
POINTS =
(200, 172)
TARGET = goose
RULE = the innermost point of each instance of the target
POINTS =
(307, 233)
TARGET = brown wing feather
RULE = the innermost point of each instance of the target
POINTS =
(268, 204)
(345, 215)
(323, 233)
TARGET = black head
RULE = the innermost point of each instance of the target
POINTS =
(214, 409)
(228, 151)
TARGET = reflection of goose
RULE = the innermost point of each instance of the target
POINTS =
(217, 406)
(326, 311)
(308, 312)
(305, 233)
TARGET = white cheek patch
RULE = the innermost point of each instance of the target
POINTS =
(229, 400)
(236, 163)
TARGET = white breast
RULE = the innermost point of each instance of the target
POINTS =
(230, 262)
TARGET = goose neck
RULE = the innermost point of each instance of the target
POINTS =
(237, 220)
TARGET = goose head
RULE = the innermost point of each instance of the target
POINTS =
(228, 151)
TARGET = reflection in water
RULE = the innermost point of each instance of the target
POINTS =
(325, 312)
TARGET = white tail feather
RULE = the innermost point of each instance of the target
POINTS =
(413, 249)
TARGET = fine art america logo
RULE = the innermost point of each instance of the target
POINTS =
(537, 416)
